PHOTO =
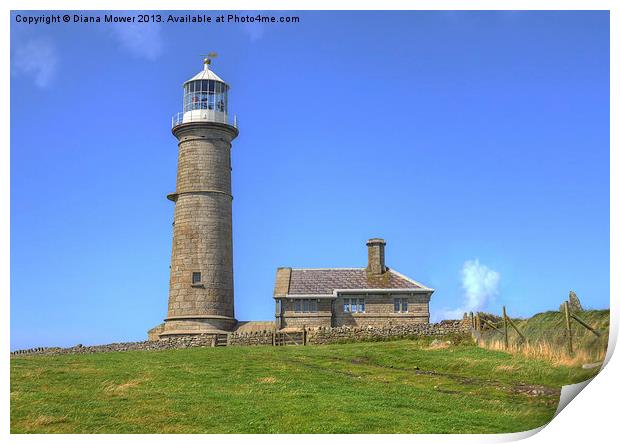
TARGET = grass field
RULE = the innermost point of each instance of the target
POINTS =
(381, 387)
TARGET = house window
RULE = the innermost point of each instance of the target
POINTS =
(401, 305)
(305, 305)
(354, 305)
(196, 278)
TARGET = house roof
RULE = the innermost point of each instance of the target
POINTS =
(322, 281)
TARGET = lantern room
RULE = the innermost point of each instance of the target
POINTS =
(205, 98)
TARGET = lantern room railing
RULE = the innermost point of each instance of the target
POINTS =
(203, 115)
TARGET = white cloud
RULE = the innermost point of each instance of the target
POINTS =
(140, 39)
(37, 58)
(480, 285)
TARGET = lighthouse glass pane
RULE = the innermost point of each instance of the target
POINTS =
(205, 95)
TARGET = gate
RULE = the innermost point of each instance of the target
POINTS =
(220, 340)
(281, 338)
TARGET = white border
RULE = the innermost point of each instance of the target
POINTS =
(592, 418)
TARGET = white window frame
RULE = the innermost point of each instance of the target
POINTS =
(361, 304)
(402, 304)
(314, 306)
(353, 305)
(306, 305)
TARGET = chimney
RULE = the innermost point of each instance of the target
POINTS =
(283, 280)
(376, 256)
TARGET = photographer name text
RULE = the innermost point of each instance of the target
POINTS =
(45, 19)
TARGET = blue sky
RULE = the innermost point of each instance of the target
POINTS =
(475, 143)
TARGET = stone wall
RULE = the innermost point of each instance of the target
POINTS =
(314, 336)
(380, 310)
(153, 333)
(167, 343)
(322, 317)
(264, 337)
(333, 335)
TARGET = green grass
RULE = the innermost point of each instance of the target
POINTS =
(345, 388)
(550, 325)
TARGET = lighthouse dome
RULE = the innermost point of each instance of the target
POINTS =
(206, 74)
(205, 98)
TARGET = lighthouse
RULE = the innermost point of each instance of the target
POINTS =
(201, 294)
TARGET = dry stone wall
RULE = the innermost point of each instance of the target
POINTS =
(314, 336)
(162, 344)
(264, 337)
(333, 335)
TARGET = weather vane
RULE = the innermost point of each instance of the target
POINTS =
(209, 57)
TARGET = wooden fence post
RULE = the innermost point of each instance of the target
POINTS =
(505, 328)
(568, 327)
(584, 324)
(515, 327)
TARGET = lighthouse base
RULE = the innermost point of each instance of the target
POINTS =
(194, 325)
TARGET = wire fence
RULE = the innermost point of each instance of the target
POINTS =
(564, 336)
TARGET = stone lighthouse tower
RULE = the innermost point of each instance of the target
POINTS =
(201, 297)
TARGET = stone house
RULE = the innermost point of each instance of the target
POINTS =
(333, 297)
